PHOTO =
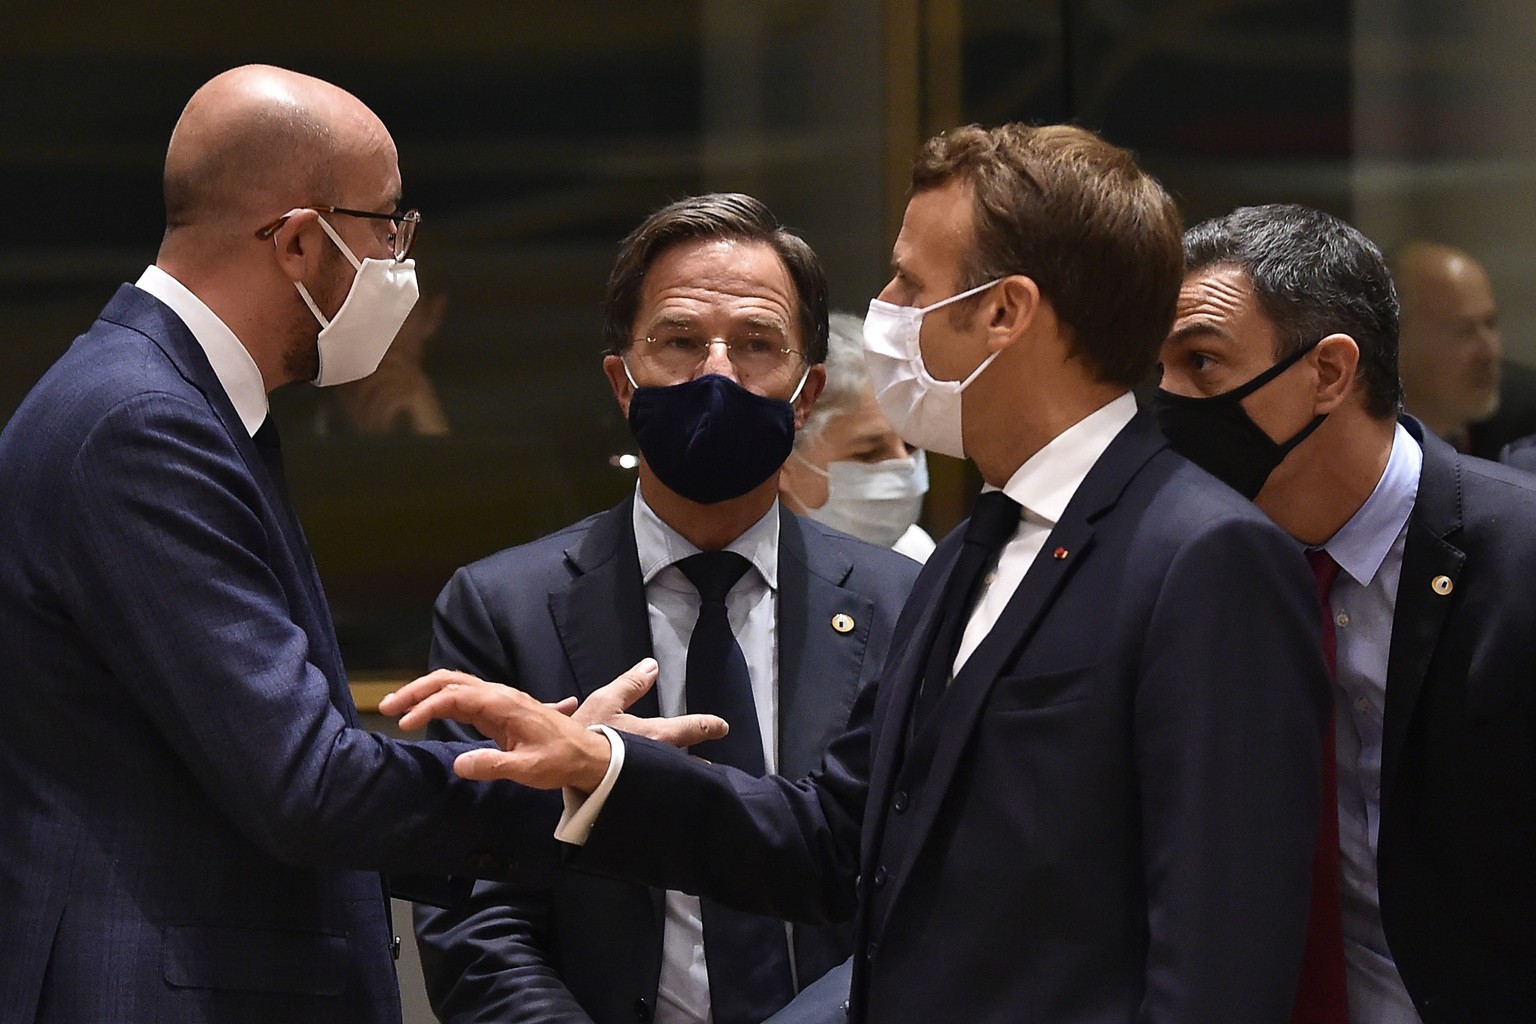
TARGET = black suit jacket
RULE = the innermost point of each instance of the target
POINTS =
(1457, 853)
(1117, 817)
(563, 616)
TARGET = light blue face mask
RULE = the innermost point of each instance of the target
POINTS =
(873, 501)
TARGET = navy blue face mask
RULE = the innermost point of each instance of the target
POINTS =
(710, 439)
(1219, 436)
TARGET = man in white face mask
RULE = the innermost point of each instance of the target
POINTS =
(1086, 789)
(849, 469)
(195, 823)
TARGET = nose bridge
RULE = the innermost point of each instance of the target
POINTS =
(717, 359)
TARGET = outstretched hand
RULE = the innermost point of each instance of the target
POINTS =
(544, 746)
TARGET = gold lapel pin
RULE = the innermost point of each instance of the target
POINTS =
(842, 622)
(1442, 585)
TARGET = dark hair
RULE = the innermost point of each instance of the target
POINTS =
(1098, 235)
(1313, 276)
(730, 215)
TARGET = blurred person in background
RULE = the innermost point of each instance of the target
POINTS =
(850, 470)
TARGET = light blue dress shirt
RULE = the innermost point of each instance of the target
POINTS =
(752, 606)
(1369, 550)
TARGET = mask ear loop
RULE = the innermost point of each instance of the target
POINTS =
(356, 265)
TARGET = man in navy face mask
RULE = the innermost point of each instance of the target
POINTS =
(1432, 621)
(716, 319)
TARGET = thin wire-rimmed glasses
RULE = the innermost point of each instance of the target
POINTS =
(402, 238)
(679, 355)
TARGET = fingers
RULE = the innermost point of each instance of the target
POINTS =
(488, 765)
(469, 700)
(611, 700)
(414, 692)
(566, 706)
(682, 731)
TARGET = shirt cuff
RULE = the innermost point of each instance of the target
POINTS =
(581, 810)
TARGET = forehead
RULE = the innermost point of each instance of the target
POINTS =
(1218, 303)
(718, 280)
(936, 231)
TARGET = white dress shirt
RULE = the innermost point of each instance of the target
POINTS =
(1369, 550)
(230, 360)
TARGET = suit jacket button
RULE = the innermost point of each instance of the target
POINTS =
(899, 801)
(642, 1010)
(869, 952)
(394, 948)
(881, 876)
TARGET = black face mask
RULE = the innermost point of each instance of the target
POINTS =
(1219, 436)
(710, 439)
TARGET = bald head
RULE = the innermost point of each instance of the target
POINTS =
(1450, 347)
(257, 141)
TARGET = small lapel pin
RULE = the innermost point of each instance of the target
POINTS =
(1441, 585)
(842, 622)
(1060, 554)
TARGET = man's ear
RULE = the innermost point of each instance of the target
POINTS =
(1012, 310)
(297, 242)
(815, 380)
(1337, 359)
(618, 380)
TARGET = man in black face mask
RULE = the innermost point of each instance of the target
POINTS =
(716, 319)
(1280, 376)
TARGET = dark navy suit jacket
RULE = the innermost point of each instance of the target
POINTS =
(561, 617)
(1116, 821)
(1457, 853)
(191, 821)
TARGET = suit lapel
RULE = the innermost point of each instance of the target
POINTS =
(139, 311)
(957, 713)
(601, 614)
(1432, 568)
(819, 668)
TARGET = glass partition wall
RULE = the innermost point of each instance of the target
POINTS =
(534, 136)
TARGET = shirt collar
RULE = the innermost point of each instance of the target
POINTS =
(1362, 544)
(231, 363)
(1046, 482)
(660, 546)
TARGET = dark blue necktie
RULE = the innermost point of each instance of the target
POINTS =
(270, 447)
(994, 520)
(747, 954)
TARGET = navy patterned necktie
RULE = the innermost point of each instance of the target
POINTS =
(747, 954)
(270, 447)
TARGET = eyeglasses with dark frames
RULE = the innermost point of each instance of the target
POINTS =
(402, 238)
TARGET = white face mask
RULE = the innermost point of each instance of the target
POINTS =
(874, 501)
(925, 412)
(353, 343)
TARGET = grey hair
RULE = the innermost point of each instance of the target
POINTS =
(847, 376)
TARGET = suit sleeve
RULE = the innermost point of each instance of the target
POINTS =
(184, 586)
(1228, 721)
(770, 845)
(491, 958)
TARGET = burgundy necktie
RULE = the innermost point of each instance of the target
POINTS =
(1322, 996)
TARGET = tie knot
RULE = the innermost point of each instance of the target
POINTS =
(994, 519)
(714, 573)
(1324, 569)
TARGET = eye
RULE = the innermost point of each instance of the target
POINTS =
(757, 346)
(678, 342)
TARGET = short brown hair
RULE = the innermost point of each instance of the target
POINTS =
(1098, 234)
(716, 215)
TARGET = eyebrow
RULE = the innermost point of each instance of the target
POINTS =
(1198, 329)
